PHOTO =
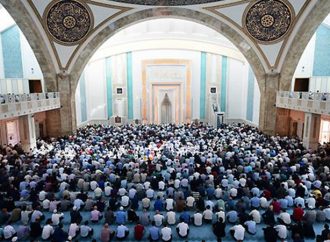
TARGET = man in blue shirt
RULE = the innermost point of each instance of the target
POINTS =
(158, 205)
(185, 216)
(255, 202)
(121, 216)
(154, 232)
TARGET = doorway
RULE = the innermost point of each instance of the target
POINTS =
(325, 132)
(35, 86)
(301, 85)
(12, 132)
(166, 110)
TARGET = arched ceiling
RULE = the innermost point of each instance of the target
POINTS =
(166, 2)
(69, 27)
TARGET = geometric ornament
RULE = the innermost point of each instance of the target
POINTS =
(68, 21)
(268, 20)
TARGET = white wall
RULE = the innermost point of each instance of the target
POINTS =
(78, 100)
(31, 68)
(237, 89)
(305, 66)
(193, 56)
(95, 90)
(29, 61)
(256, 103)
(237, 84)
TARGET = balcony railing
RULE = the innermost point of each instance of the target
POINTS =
(304, 101)
(13, 105)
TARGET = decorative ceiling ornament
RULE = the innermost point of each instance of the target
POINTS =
(268, 21)
(166, 2)
(68, 21)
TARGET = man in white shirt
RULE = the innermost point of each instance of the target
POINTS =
(145, 203)
(56, 217)
(218, 192)
(198, 219)
(45, 204)
(327, 213)
(122, 232)
(73, 230)
(166, 234)
(36, 214)
(98, 192)
(42, 195)
(158, 218)
(169, 203)
(150, 193)
(107, 191)
(78, 203)
(208, 215)
(284, 218)
(182, 229)
(170, 217)
(161, 185)
(124, 201)
(47, 230)
(299, 201)
(282, 231)
(237, 232)
(255, 215)
(221, 214)
(93, 185)
(9, 232)
(190, 202)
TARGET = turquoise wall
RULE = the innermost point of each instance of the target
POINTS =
(83, 101)
(224, 77)
(202, 85)
(109, 86)
(250, 96)
(129, 85)
(11, 52)
(322, 51)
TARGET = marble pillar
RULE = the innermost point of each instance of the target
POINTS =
(312, 126)
(63, 121)
(27, 131)
(267, 117)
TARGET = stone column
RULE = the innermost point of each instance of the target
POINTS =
(271, 119)
(27, 131)
(283, 122)
(267, 117)
(63, 121)
(311, 130)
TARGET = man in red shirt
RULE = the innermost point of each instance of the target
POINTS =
(298, 213)
(276, 206)
(138, 231)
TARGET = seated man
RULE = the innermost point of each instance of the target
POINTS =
(251, 226)
(138, 231)
(153, 232)
(158, 218)
(122, 232)
(208, 215)
(47, 230)
(282, 231)
(237, 231)
(86, 231)
(182, 229)
(166, 233)
(284, 218)
(96, 215)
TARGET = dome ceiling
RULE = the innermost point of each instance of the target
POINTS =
(167, 2)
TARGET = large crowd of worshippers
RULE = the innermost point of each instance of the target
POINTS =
(161, 180)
